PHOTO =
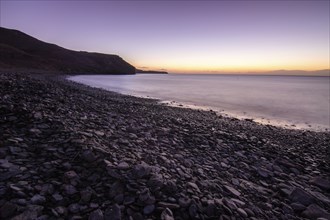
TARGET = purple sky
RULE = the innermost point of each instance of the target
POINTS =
(184, 36)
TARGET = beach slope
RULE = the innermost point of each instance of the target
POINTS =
(70, 151)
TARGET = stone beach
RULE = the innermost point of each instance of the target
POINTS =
(69, 151)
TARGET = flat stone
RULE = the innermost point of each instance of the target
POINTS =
(194, 186)
(60, 210)
(313, 211)
(129, 200)
(35, 131)
(321, 182)
(141, 170)
(74, 208)
(119, 198)
(167, 214)
(96, 215)
(297, 207)
(113, 213)
(238, 202)
(69, 189)
(232, 190)
(301, 196)
(88, 155)
(242, 213)
(147, 210)
(263, 172)
(168, 205)
(123, 166)
(57, 198)
(321, 197)
(70, 175)
(38, 199)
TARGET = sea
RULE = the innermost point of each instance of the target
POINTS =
(295, 102)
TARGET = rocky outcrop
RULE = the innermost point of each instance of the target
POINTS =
(21, 51)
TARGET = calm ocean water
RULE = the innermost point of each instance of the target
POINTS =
(291, 101)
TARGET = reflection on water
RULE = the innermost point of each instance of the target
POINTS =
(284, 100)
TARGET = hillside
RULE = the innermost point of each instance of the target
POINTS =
(21, 51)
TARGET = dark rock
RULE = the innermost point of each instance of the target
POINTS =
(184, 202)
(113, 213)
(313, 211)
(86, 195)
(96, 215)
(297, 207)
(141, 170)
(114, 173)
(88, 155)
(193, 211)
(211, 210)
(21, 202)
(57, 198)
(128, 200)
(60, 211)
(168, 205)
(287, 209)
(31, 212)
(123, 166)
(232, 191)
(167, 215)
(300, 196)
(144, 195)
(119, 198)
(7, 210)
(242, 213)
(74, 208)
(115, 189)
(69, 189)
(137, 216)
(321, 182)
(155, 182)
(194, 186)
(70, 175)
(147, 210)
(263, 172)
(38, 199)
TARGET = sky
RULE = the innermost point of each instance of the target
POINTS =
(184, 36)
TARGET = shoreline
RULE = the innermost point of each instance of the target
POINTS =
(266, 119)
(72, 151)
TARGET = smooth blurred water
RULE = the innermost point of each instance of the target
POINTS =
(279, 100)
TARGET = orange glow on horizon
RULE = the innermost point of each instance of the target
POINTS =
(232, 69)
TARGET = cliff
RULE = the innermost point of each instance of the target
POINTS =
(21, 51)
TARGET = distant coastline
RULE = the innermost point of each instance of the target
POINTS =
(325, 72)
(139, 71)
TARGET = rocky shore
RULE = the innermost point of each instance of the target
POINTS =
(68, 151)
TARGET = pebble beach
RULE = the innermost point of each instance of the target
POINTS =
(69, 151)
